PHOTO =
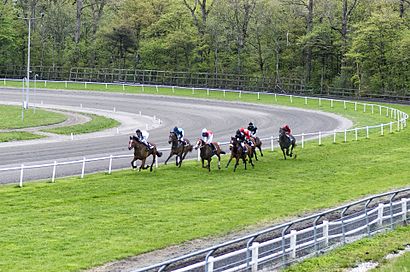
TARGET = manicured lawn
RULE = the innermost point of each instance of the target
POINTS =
(372, 249)
(76, 224)
(11, 117)
(18, 136)
(97, 123)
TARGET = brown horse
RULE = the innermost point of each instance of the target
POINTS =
(237, 153)
(257, 143)
(180, 150)
(141, 153)
(286, 143)
(206, 153)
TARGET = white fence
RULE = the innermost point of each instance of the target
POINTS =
(284, 244)
(399, 122)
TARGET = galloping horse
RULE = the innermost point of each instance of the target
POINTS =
(285, 143)
(178, 149)
(237, 153)
(141, 153)
(206, 153)
(257, 143)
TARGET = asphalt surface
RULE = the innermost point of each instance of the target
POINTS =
(222, 117)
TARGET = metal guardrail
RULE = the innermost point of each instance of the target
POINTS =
(399, 122)
(284, 244)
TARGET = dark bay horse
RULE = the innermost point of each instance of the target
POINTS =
(141, 153)
(237, 153)
(257, 143)
(180, 150)
(285, 143)
(206, 153)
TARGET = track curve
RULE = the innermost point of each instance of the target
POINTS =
(193, 114)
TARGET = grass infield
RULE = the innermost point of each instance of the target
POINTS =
(18, 136)
(81, 223)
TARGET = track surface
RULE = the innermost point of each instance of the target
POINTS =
(222, 117)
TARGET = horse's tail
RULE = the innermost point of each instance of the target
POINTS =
(159, 154)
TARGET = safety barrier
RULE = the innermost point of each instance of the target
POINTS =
(399, 122)
(284, 244)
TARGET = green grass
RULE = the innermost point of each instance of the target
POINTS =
(401, 264)
(18, 136)
(97, 123)
(11, 117)
(76, 224)
(372, 249)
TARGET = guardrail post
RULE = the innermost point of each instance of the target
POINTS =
(293, 244)
(364, 107)
(391, 127)
(255, 255)
(85, 85)
(343, 224)
(210, 264)
(303, 140)
(291, 98)
(367, 216)
(240, 94)
(53, 177)
(391, 211)
(380, 110)
(199, 154)
(382, 129)
(123, 87)
(306, 101)
(284, 244)
(271, 143)
(207, 92)
(110, 165)
(398, 125)
(387, 112)
(380, 211)
(106, 86)
(344, 105)
(320, 138)
(334, 136)
(276, 99)
(156, 162)
(326, 232)
(45, 83)
(355, 106)
(404, 209)
(83, 168)
(355, 133)
(21, 175)
(367, 132)
(224, 93)
(72, 136)
(394, 114)
(156, 88)
(173, 89)
(345, 135)
(315, 232)
(331, 103)
(372, 109)
(258, 96)
(193, 90)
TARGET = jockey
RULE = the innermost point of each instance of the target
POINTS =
(241, 137)
(179, 132)
(142, 136)
(288, 131)
(247, 135)
(252, 128)
(207, 136)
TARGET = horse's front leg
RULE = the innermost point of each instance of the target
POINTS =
(236, 163)
(254, 153)
(209, 165)
(142, 165)
(260, 150)
(153, 161)
(229, 161)
(291, 150)
(250, 161)
(284, 155)
(170, 155)
(133, 163)
(203, 162)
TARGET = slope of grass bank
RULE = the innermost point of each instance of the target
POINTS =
(75, 224)
(18, 136)
(371, 249)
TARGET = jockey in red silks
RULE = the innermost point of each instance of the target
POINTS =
(288, 132)
(246, 133)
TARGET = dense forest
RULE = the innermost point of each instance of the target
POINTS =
(361, 44)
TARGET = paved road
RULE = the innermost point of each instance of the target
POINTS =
(192, 114)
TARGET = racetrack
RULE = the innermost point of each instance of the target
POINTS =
(192, 114)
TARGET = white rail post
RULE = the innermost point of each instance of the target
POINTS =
(21, 175)
(380, 214)
(355, 106)
(123, 87)
(142, 88)
(276, 99)
(271, 143)
(326, 232)
(83, 168)
(85, 85)
(45, 83)
(303, 140)
(364, 107)
(207, 91)
(334, 136)
(255, 255)
(291, 98)
(224, 93)
(106, 86)
(320, 138)
(240, 94)
(199, 154)
(110, 165)
(404, 209)
(173, 89)
(293, 244)
(344, 105)
(367, 132)
(146, 126)
(355, 133)
(81, 106)
(114, 109)
(156, 88)
(372, 109)
(331, 103)
(387, 112)
(398, 125)
(382, 129)
(53, 177)
(118, 131)
(210, 264)
(380, 110)
(140, 113)
(193, 90)
(156, 163)
(72, 136)
(391, 127)
(306, 101)
(345, 135)
(394, 114)
(320, 102)
(258, 96)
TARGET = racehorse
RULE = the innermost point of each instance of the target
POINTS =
(178, 149)
(141, 153)
(285, 143)
(206, 153)
(237, 153)
(257, 143)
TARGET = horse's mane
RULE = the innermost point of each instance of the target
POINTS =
(134, 138)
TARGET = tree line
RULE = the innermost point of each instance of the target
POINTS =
(361, 44)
